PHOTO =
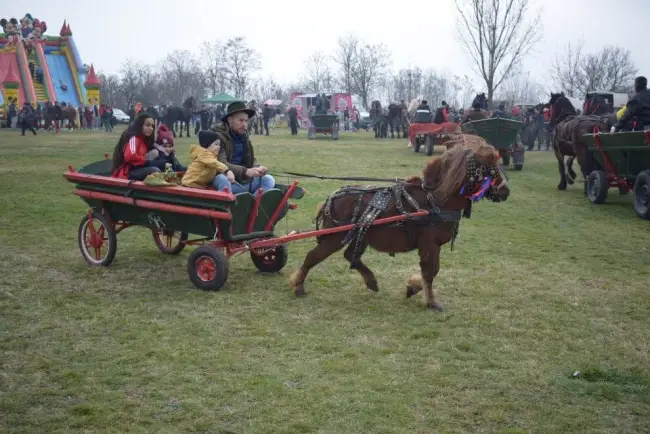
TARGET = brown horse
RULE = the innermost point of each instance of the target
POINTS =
(71, 115)
(445, 190)
(568, 143)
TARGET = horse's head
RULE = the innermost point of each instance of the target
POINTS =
(560, 107)
(468, 171)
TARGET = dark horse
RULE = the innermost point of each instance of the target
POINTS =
(377, 118)
(180, 114)
(567, 138)
(481, 100)
(444, 190)
(598, 105)
(395, 120)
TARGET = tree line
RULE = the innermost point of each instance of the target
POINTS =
(497, 36)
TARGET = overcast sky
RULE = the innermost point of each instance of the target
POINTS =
(285, 32)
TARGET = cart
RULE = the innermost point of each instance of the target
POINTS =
(429, 135)
(620, 160)
(503, 134)
(222, 225)
(323, 124)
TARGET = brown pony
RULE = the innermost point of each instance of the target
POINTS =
(444, 189)
(567, 138)
(71, 114)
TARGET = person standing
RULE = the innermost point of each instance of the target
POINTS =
(27, 119)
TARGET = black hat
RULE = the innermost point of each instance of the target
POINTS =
(206, 138)
(236, 107)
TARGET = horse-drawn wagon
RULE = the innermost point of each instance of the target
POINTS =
(323, 124)
(620, 160)
(503, 134)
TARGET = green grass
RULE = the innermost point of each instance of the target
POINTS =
(538, 287)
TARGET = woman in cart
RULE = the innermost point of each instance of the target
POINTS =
(130, 154)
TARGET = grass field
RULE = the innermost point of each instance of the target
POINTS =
(538, 287)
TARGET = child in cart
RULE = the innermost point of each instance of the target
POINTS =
(205, 166)
(163, 154)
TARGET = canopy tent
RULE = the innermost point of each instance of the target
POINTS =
(222, 98)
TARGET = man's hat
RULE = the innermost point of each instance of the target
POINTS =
(236, 107)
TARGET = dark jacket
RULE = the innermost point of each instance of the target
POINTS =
(163, 159)
(423, 115)
(268, 113)
(638, 107)
(225, 153)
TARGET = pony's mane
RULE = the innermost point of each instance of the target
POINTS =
(446, 173)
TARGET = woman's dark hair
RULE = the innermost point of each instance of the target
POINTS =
(134, 130)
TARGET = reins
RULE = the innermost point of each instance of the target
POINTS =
(340, 178)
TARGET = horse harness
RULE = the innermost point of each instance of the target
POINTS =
(379, 202)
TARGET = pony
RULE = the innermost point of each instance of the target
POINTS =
(567, 140)
(71, 115)
(180, 114)
(448, 185)
(482, 100)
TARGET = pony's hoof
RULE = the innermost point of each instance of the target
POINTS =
(561, 186)
(372, 285)
(435, 306)
(570, 180)
(300, 291)
(411, 291)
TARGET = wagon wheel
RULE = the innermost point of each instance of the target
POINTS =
(642, 195)
(207, 267)
(169, 241)
(597, 187)
(270, 260)
(97, 240)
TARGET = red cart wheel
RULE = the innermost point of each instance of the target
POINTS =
(208, 268)
(97, 240)
(169, 241)
(271, 260)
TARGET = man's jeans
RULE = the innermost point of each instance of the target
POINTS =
(266, 182)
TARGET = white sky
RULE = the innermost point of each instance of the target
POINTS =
(285, 32)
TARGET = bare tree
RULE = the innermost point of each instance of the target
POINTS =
(318, 76)
(130, 84)
(346, 58)
(214, 66)
(567, 69)
(576, 73)
(181, 77)
(520, 88)
(407, 84)
(369, 68)
(243, 62)
(110, 90)
(497, 35)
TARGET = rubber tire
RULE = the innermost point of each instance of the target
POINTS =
(506, 160)
(598, 180)
(174, 251)
(280, 260)
(220, 263)
(642, 181)
(111, 236)
(518, 166)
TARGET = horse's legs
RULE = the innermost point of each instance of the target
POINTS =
(368, 277)
(571, 174)
(429, 267)
(173, 128)
(325, 248)
(560, 166)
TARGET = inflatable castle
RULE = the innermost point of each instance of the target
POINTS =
(36, 68)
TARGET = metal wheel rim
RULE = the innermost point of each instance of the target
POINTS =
(165, 239)
(97, 242)
(206, 268)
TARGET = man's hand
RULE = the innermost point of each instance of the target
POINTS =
(263, 170)
(230, 176)
(253, 172)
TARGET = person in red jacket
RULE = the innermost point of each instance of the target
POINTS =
(129, 156)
